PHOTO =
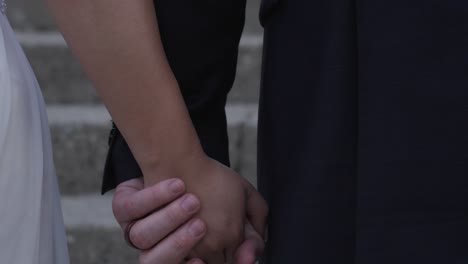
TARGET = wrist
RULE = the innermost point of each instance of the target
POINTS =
(183, 163)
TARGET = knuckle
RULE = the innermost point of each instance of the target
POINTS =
(118, 204)
(129, 207)
(173, 214)
(139, 237)
(116, 209)
(179, 242)
(157, 193)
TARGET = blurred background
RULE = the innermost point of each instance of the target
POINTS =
(80, 126)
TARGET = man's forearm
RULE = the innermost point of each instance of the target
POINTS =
(118, 44)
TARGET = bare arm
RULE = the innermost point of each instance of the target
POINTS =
(118, 44)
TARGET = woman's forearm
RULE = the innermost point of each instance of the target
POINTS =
(118, 44)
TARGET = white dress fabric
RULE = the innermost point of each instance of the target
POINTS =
(31, 224)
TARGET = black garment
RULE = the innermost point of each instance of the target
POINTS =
(363, 130)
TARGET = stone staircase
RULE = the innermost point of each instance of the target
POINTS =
(80, 125)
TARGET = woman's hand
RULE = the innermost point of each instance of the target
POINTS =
(228, 203)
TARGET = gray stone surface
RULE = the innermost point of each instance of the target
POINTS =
(88, 211)
(29, 15)
(248, 154)
(247, 84)
(33, 15)
(243, 151)
(252, 25)
(79, 154)
(59, 74)
(99, 246)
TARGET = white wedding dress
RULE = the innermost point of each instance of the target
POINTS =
(31, 224)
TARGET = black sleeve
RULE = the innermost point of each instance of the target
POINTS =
(201, 40)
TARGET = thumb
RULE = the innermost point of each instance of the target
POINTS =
(251, 248)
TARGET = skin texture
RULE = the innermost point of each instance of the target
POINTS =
(118, 44)
(170, 228)
(166, 234)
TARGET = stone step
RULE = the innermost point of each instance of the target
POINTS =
(34, 16)
(63, 81)
(93, 235)
(80, 132)
(99, 246)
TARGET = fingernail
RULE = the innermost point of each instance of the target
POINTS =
(197, 228)
(176, 186)
(190, 204)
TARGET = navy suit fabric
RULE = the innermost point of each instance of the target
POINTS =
(363, 122)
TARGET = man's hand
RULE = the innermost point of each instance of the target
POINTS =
(164, 227)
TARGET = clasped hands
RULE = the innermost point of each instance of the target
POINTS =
(215, 217)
